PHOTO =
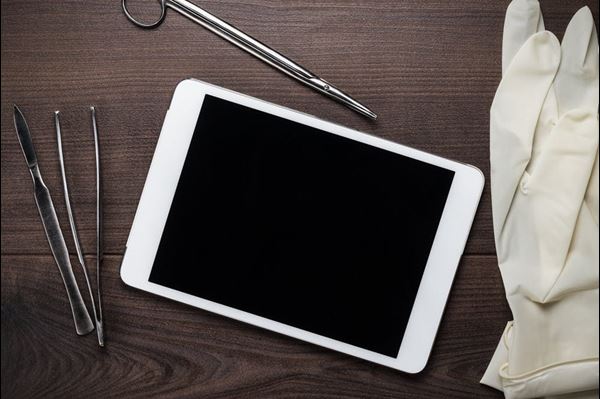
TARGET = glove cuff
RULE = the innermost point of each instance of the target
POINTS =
(558, 379)
(552, 347)
(552, 380)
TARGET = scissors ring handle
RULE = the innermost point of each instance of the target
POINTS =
(163, 10)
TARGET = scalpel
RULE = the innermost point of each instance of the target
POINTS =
(81, 317)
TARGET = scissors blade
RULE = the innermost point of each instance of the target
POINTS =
(331, 91)
(264, 53)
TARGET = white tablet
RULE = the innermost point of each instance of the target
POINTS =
(278, 219)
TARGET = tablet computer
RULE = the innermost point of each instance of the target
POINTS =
(301, 226)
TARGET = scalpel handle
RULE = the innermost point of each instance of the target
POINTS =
(81, 317)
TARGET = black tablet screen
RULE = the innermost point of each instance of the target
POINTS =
(301, 226)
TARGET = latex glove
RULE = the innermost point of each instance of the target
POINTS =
(544, 145)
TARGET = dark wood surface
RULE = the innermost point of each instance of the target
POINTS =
(428, 68)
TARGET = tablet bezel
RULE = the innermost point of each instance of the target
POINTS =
(161, 183)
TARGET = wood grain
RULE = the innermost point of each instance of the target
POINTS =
(429, 69)
(158, 347)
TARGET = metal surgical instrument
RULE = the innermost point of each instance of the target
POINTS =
(83, 322)
(97, 312)
(254, 47)
(99, 222)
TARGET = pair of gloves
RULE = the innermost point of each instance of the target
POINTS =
(544, 177)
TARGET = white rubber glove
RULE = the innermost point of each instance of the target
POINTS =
(544, 159)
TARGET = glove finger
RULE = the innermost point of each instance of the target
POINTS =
(576, 83)
(514, 114)
(557, 186)
(523, 19)
(546, 122)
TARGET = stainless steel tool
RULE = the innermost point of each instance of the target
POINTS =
(81, 317)
(97, 312)
(254, 47)
(99, 222)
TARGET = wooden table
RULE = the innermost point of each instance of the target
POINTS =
(429, 69)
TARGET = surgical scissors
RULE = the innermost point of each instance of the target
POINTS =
(254, 47)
